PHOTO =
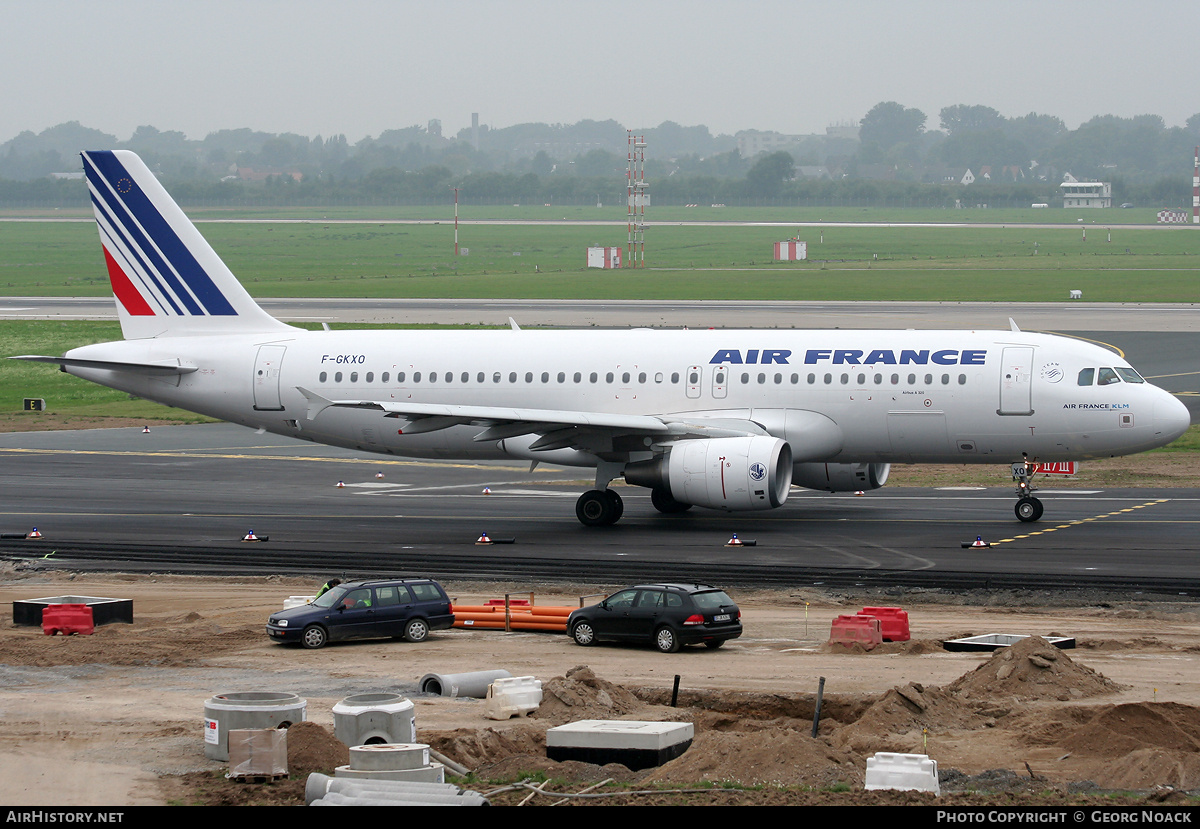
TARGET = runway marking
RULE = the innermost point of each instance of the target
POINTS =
(1078, 521)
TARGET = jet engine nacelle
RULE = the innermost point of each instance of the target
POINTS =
(748, 473)
(841, 477)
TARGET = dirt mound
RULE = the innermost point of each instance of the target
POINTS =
(1120, 729)
(581, 695)
(480, 749)
(1032, 669)
(310, 748)
(896, 721)
(783, 757)
(181, 642)
(912, 647)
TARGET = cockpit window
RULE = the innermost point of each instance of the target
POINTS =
(1129, 375)
(1087, 376)
(1107, 377)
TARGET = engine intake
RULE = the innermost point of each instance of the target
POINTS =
(841, 477)
(747, 473)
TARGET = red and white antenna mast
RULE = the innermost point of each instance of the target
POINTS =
(636, 195)
(1196, 190)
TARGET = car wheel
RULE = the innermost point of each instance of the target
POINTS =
(416, 630)
(583, 634)
(713, 644)
(314, 636)
(665, 640)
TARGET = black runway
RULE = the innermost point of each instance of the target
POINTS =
(180, 499)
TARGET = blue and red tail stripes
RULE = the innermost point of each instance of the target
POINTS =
(165, 276)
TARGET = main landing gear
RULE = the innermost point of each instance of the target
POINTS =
(599, 508)
(1028, 508)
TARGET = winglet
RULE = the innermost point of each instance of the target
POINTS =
(1012, 324)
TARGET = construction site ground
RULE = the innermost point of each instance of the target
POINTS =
(115, 718)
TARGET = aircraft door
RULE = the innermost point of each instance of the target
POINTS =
(266, 378)
(692, 380)
(1016, 386)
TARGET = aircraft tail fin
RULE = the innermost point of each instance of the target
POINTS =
(168, 281)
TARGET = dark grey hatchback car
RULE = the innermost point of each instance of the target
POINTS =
(665, 615)
(407, 608)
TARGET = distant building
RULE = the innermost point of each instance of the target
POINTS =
(264, 173)
(1087, 193)
(753, 142)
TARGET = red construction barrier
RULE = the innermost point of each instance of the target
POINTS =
(67, 619)
(856, 630)
(893, 622)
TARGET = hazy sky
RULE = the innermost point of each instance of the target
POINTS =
(359, 67)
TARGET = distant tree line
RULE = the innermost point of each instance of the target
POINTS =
(895, 161)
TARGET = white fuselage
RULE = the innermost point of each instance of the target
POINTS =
(894, 396)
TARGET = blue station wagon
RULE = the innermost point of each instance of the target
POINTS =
(406, 608)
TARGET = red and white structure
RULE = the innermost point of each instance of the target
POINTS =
(1196, 190)
(598, 257)
(792, 250)
(637, 197)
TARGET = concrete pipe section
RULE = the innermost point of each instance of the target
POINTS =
(461, 685)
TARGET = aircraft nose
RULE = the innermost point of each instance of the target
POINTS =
(1171, 417)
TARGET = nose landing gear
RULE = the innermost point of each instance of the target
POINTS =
(1028, 508)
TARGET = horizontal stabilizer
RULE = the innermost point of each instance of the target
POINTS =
(111, 365)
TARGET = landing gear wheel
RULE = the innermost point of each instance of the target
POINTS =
(1028, 509)
(665, 640)
(598, 508)
(618, 505)
(665, 503)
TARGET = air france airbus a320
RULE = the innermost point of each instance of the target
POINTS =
(728, 420)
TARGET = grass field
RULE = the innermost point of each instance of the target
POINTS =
(617, 213)
(371, 259)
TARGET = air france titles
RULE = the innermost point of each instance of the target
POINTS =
(853, 357)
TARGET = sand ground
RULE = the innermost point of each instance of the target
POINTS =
(115, 718)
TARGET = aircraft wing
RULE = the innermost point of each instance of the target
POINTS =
(557, 428)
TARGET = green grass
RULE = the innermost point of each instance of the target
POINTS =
(712, 263)
(617, 213)
(64, 394)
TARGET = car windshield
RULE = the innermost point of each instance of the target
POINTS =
(330, 598)
(711, 599)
